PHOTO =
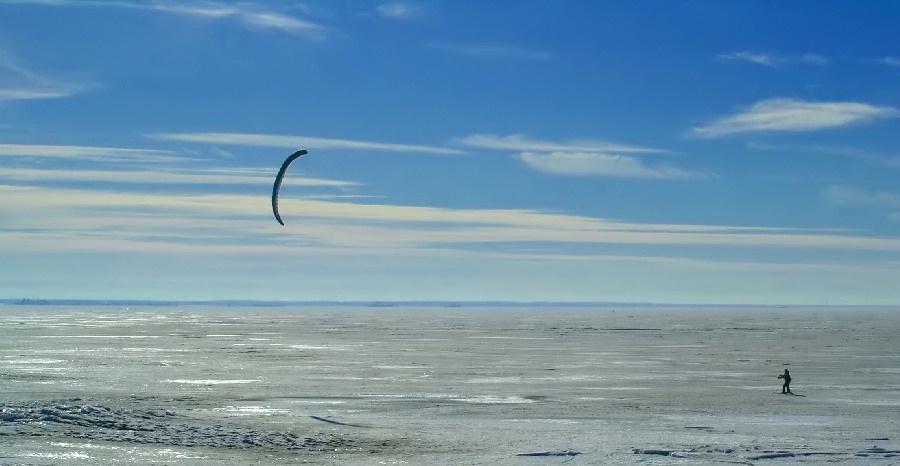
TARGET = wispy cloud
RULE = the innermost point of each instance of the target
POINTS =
(169, 176)
(773, 59)
(581, 157)
(598, 164)
(398, 10)
(294, 142)
(18, 82)
(76, 216)
(246, 13)
(100, 154)
(793, 115)
(519, 142)
(36, 93)
(493, 51)
(269, 20)
(758, 58)
(144, 166)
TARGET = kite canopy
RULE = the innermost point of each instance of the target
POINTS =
(279, 178)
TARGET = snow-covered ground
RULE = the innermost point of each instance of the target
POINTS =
(204, 385)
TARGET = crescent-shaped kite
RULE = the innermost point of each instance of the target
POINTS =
(279, 178)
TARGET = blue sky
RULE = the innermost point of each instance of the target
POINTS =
(668, 152)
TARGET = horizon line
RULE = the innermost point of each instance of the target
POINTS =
(408, 302)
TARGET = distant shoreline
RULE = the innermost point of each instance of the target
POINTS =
(429, 304)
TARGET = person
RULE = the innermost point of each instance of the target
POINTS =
(786, 388)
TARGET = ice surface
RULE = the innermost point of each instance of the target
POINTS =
(200, 385)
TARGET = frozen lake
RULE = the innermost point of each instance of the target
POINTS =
(205, 385)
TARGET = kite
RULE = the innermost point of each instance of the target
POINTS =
(279, 178)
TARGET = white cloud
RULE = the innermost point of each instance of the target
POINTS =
(293, 142)
(397, 10)
(581, 157)
(154, 167)
(102, 154)
(207, 239)
(598, 164)
(86, 220)
(793, 115)
(284, 23)
(758, 58)
(246, 13)
(493, 51)
(17, 82)
(209, 10)
(518, 142)
(35, 93)
(191, 177)
(772, 59)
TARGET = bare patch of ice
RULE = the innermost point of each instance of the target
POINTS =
(497, 399)
(211, 381)
(252, 410)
